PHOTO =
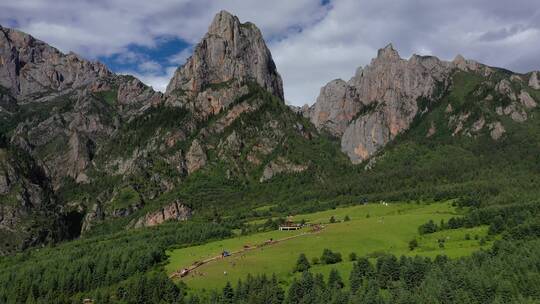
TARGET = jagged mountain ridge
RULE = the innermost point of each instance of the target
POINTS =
(109, 146)
(382, 99)
(117, 155)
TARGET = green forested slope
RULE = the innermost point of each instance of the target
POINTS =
(496, 178)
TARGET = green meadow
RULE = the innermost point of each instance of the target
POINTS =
(373, 229)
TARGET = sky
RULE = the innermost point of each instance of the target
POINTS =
(312, 41)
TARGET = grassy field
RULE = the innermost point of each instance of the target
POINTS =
(373, 229)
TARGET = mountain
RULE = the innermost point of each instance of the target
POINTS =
(112, 153)
(230, 51)
(113, 175)
(86, 151)
(383, 99)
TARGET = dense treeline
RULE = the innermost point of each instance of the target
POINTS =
(508, 273)
(498, 217)
(55, 275)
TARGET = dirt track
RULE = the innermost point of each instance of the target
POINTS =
(182, 272)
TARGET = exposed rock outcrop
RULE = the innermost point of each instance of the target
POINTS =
(336, 106)
(230, 54)
(78, 157)
(505, 88)
(172, 212)
(92, 217)
(526, 100)
(468, 65)
(280, 166)
(134, 97)
(196, 157)
(534, 82)
(29, 66)
(496, 130)
(382, 100)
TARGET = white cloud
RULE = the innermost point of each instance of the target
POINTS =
(310, 43)
(351, 33)
(180, 57)
(157, 80)
(149, 66)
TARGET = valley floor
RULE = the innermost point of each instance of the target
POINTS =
(372, 230)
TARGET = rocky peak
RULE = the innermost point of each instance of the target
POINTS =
(230, 51)
(470, 65)
(459, 60)
(30, 67)
(388, 53)
(379, 102)
(337, 104)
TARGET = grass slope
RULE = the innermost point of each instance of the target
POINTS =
(374, 229)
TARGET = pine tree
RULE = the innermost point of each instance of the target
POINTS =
(362, 269)
(302, 264)
(228, 293)
(334, 280)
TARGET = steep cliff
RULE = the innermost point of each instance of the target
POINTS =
(114, 151)
(228, 56)
(383, 99)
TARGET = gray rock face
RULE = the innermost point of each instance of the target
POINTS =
(505, 88)
(229, 51)
(30, 67)
(172, 212)
(196, 157)
(533, 81)
(467, 65)
(336, 106)
(278, 166)
(379, 102)
(365, 136)
(496, 130)
(526, 100)
(519, 105)
(92, 217)
(134, 97)
(383, 99)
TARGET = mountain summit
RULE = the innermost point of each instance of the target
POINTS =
(383, 99)
(229, 51)
(83, 149)
(81, 146)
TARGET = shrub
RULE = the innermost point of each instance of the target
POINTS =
(441, 243)
(330, 257)
(413, 244)
(428, 227)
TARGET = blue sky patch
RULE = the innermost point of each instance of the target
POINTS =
(168, 51)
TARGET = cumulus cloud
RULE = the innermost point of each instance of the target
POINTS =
(496, 32)
(312, 41)
(158, 80)
(180, 57)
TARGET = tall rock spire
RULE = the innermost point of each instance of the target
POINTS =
(229, 51)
